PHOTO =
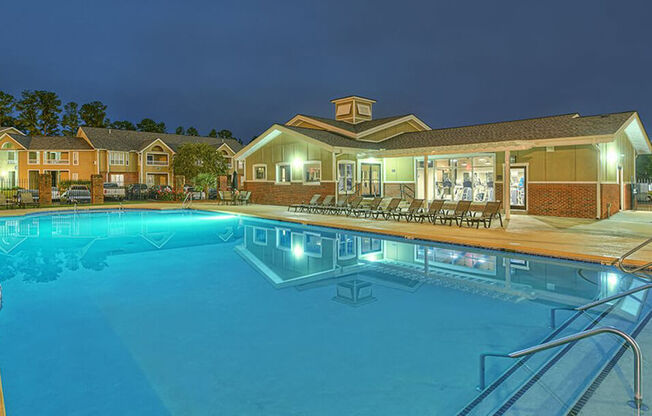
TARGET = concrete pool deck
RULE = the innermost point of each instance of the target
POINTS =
(600, 241)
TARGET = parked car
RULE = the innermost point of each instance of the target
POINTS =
(113, 191)
(77, 193)
(137, 191)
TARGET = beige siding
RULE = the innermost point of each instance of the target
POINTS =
(286, 148)
(405, 127)
(620, 152)
(399, 169)
(563, 164)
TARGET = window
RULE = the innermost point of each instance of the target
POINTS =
(312, 172)
(312, 244)
(345, 176)
(32, 158)
(260, 172)
(283, 173)
(55, 158)
(75, 158)
(283, 239)
(260, 236)
(157, 159)
(11, 157)
(75, 176)
(119, 179)
(117, 158)
(346, 248)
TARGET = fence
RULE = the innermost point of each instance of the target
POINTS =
(642, 194)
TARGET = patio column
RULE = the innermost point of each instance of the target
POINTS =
(506, 185)
(425, 179)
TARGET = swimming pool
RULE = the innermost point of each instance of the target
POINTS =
(197, 313)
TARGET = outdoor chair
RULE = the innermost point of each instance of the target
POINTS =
(375, 203)
(457, 214)
(27, 199)
(388, 211)
(325, 206)
(341, 205)
(243, 197)
(227, 198)
(5, 202)
(355, 204)
(303, 206)
(490, 211)
(435, 210)
(415, 208)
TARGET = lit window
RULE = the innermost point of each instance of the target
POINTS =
(312, 172)
(119, 179)
(283, 173)
(260, 172)
(117, 158)
(345, 176)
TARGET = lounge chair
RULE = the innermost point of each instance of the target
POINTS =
(388, 211)
(375, 203)
(26, 199)
(341, 205)
(244, 196)
(355, 204)
(5, 202)
(326, 205)
(305, 206)
(457, 214)
(491, 210)
(415, 208)
(435, 210)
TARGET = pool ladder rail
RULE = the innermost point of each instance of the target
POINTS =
(634, 270)
(637, 402)
(187, 202)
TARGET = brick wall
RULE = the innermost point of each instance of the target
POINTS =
(609, 194)
(97, 189)
(562, 199)
(393, 190)
(272, 194)
(130, 177)
(498, 193)
(44, 190)
(628, 196)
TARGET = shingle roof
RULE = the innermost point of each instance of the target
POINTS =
(356, 128)
(333, 139)
(128, 140)
(51, 142)
(561, 126)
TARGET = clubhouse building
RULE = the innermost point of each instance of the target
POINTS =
(564, 165)
(120, 156)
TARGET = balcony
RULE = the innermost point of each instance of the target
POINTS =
(157, 162)
(57, 161)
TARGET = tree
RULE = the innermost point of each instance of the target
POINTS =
(93, 114)
(205, 181)
(70, 120)
(123, 125)
(27, 108)
(147, 124)
(180, 130)
(225, 134)
(213, 133)
(7, 106)
(192, 131)
(194, 159)
(49, 108)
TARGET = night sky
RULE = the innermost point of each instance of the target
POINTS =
(243, 65)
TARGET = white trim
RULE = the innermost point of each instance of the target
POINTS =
(253, 236)
(167, 162)
(253, 170)
(337, 175)
(224, 144)
(154, 141)
(570, 182)
(38, 157)
(75, 158)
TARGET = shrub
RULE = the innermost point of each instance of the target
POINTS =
(64, 185)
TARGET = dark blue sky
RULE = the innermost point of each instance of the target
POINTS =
(243, 65)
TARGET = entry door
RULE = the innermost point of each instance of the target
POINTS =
(370, 179)
(518, 187)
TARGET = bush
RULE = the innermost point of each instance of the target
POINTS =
(64, 185)
(169, 195)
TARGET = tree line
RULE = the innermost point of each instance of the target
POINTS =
(39, 112)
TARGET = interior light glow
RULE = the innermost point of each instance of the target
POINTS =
(297, 251)
(297, 163)
(612, 156)
(612, 282)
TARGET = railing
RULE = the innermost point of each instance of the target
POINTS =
(614, 297)
(157, 163)
(57, 161)
(633, 270)
(638, 359)
(407, 191)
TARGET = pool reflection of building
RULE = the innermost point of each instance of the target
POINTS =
(40, 248)
(290, 256)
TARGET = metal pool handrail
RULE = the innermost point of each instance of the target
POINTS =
(187, 199)
(614, 297)
(638, 359)
(633, 270)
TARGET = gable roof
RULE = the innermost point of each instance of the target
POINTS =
(10, 130)
(51, 142)
(129, 140)
(333, 139)
(355, 128)
(552, 127)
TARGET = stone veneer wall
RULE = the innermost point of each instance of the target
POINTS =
(97, 189)
(273, 194)
(44, 190)
(562, 199)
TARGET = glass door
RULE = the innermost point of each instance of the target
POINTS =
(370, 179)
(518, 187)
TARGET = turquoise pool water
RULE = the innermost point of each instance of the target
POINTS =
(194, 313)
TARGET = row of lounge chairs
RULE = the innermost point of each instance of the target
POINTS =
(461, 212)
